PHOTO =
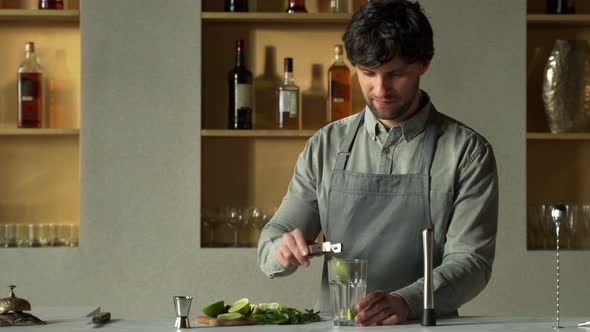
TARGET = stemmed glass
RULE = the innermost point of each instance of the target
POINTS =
(234, 220)
(258, 219)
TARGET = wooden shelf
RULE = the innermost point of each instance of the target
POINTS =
(559, 19)
(257, 133)
(561, 137)
(275, 17)
(39, 15)
(38, 131)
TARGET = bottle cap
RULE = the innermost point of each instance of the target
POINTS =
(338, 49)
(29, 46)
(289, 65)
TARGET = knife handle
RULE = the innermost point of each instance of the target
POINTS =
(101, 317)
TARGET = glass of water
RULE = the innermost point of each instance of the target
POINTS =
(348, 285)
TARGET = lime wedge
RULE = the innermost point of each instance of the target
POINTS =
(351, 313)
(340, 269)
(241, 306)
(231, 316)
(214, 309)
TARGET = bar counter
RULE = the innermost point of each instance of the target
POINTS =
(74, 319)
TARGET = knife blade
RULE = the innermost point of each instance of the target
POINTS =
(320, 248)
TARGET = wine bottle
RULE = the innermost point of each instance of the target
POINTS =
(339, 103)
(235, 5)
(240, 92)
(296, 6)
(30, 90)
(288, 99)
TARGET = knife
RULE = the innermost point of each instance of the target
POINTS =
(320, 248)
(101, 318)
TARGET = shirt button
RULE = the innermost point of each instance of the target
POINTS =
(386, 151)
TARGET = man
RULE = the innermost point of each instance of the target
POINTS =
(373, 181)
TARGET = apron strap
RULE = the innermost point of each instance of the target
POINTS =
(346, 147)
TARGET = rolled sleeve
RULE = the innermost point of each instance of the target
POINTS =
(470, 240)
(299, 209)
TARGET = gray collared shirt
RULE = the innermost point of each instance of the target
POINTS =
(464, 198)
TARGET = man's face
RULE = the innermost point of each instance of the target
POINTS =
(392, 90)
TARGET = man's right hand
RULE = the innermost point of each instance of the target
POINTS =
(292, 250)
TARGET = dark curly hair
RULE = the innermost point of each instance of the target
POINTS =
(383, 29)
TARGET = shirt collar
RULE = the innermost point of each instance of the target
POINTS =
(410, 128)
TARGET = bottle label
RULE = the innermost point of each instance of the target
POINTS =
(243, 93)
(288, 103)
(29, 89)
(337, 90)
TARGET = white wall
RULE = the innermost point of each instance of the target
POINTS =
(140, 166)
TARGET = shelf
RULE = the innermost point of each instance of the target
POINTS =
(563, 137)
(38, 131)
(559, 19)
(257, 133)
(275, 17)
(39, 15)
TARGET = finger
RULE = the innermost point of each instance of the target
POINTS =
(280, 258)
(370, 299)
(294, 249)
(288, 257)
(301, 245)
(300, 240)
(375, 313)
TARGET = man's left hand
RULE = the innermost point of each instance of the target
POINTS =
(381, 308)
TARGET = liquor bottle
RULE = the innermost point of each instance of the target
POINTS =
(561, 7)
(336, 6)
(30, 90)
(240, 92)
(235, 5)
(288, 96)
(51, 4)
(339, 103)
(296, 6)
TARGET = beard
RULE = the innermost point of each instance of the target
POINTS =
(398, 109)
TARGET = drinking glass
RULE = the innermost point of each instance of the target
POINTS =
(535, 234)
(10, 235)
(570, 225)
(2, 236)
(22, 236)
(348, 285)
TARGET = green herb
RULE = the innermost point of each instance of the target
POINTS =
(284, 315)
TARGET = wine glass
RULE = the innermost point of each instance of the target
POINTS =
(234, 220)
(258, 219)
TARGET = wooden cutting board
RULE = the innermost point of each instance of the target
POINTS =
(216, 322)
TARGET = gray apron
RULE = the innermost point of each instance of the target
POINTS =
(380, 217)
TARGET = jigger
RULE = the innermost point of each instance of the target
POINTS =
(182, 306)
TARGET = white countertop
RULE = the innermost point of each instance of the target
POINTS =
(64, 319)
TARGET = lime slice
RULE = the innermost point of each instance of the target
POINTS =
(214, 309)
(340, 269)
(351, 313)
(241, 306)
(231, 316)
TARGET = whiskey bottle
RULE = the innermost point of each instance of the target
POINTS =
(51, 4)
(288, 97)
(240, 92)
(30, 90)
(339, 103)
(296, 6)
(235, 5)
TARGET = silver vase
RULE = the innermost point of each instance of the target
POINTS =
(566, 87)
